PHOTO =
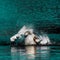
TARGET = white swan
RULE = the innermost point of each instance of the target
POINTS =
(30, 38)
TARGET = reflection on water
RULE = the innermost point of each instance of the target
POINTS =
(14, 54)
(27, 53)
(34, 53)
(43, 53)
(30, 53)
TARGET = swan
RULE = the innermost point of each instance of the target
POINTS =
(29, 37)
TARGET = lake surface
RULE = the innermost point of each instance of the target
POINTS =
(30, 53)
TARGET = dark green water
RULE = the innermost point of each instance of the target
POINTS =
(30, 53)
